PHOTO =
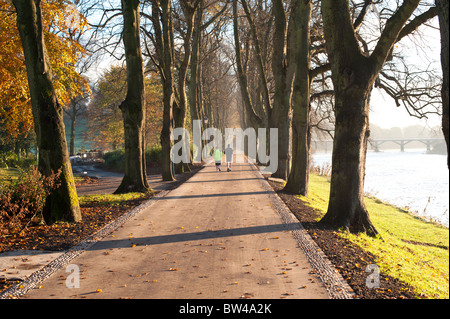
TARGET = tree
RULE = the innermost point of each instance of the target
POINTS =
(253, 118)
(299, 176)
(281, 100)
(189, 9)
(133, 107)
(443, 7)
(205, 29)
(73, 111)
(62, 203)
(354, 73)
(104, 119)
(61, 41)
(164, 47)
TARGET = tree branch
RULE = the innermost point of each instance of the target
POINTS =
(391, 33)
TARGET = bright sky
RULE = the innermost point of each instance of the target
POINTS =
(386, 114)
(384, 111)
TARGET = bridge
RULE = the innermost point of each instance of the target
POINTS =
(402, 142)
(375, 143)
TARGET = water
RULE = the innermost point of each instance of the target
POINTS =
(412, 180)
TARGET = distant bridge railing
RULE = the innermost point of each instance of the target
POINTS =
(375, 143)
(402, 142)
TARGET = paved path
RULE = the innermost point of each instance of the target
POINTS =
(216, 236)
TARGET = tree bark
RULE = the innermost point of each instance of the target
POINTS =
(267, 105)
(168, 90)
(353, 76)
(194, 67)
(299, 176)
(180, 111)
(73, 119)
(254, 119)
(133, 107)
(443, 7)
(62, 203)
(281, 106)
(346, 204)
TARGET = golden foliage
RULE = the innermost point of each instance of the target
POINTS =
(61, 35)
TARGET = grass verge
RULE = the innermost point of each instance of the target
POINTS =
(411, 249)
(7, 174)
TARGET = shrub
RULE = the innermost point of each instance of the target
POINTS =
(10, 160)
(116, 159)
(23, 199)
(153, 154)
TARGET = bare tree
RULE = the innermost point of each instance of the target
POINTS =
(354, 71)
(133, 107)
(299, 175)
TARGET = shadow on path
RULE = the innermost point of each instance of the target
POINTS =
(128, 242)
(214, 195)
(223, 180)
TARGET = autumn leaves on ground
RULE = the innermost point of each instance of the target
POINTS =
(32, 234)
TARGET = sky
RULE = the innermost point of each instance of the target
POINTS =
(384, 112)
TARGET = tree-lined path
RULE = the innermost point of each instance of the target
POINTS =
(215, 236)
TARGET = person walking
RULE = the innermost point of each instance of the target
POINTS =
(229, 157)
(217, 155)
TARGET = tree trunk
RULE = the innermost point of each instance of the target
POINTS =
(133, 107)
(443, 7)
(346, 205)
(299, 176)
(166, 144)
(281, 107)
(252, 118)
(181, 111)
(73, 119)
(194, 67)
(353, 76)
(62, 203)
(267, 105)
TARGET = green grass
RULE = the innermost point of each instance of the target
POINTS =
(109, 199)
(412, 249)
(7, 174)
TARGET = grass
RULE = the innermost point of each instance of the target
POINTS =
(411, 249)
(109, 199)
(7, 174)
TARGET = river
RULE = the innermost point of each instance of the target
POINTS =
(412, 180)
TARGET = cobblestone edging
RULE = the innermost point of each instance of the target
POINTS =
(335, 284)
(40, 275)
